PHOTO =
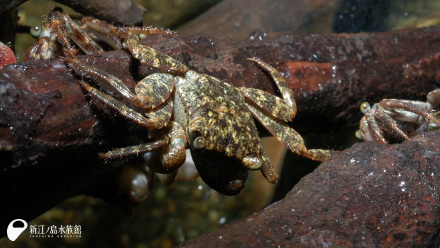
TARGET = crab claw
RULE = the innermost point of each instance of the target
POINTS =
(252, 162)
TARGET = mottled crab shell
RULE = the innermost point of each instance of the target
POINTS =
(217, 112)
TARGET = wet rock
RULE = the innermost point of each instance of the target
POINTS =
(51, 131)
(365, 196)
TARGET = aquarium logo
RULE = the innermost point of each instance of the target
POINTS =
(15, 228)
(53, 231)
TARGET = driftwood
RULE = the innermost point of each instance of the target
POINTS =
(50, 133)
(366, 196)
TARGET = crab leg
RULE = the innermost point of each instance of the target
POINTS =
(388, 111)
(57, 26)
(76, 33)
(105, 28)
(375, 130)
(375, 133)
(155, 120)
(153, 57)
(267, 168)
(288, 136)
(165, 155)
(145, 54)
(157, 87)
(270, 110)
(415, 107)
(170, 157)
(281, 108)
(134, 150)
(86, 70)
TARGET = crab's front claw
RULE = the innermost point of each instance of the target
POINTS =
(42, 49)
(366, 134)
(378, 126)
(170, 157)
(252, 162)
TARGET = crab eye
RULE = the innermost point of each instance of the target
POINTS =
(199, 143)
(365, 106)
(36, 31)
(196, 140)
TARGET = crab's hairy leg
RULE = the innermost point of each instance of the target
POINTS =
(267, 168)
(409, 106)
(102, 26)
(62, 38)
(106, 28)
(78, 35)
(88, 71)
(152, 57)
(134, 150)
(149, 30)
(280, 81)
(149, 92)
(271, 104)
(173, 155)
(374, 128)
(390, 122)
(283, 108)
(84, 41)
(288, 136)
(127, 112)
(145, 54)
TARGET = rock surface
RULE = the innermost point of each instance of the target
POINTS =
(366, 196)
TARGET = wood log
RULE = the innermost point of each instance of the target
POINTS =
(51, 131)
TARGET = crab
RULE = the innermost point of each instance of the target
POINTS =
(393, 120)
(184, 109)
(54, 38)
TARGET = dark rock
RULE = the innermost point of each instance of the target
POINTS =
(365, 196)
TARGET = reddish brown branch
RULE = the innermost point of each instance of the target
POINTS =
(50, 134)
(366, 196)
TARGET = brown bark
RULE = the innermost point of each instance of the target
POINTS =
(366, 196)
(50, 133)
